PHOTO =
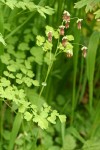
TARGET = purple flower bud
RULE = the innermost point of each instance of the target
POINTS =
(66, 16)
(62, 30)
(69, 53)
(84, 51)
(79, 23)
(64, 41)
(50, 36)
(67, 24)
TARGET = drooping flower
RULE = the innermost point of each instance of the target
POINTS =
(84, 51)
(62, 30)
(79, 23)
(50, 36)
(64, 41)
(69, 53)
(67, 24)
(66, 16)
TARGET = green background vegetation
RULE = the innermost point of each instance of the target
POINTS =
(72, 84)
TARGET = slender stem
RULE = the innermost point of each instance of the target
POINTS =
(16, 29)
(49, 68)
(74, 18)
(48, 71)
(78, 44)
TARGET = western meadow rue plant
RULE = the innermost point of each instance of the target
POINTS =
(18, 76)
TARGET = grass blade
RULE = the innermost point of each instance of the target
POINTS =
(75, 63)
(15, 129)
(91, 57)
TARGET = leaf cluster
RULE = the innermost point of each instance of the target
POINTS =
(91, 5)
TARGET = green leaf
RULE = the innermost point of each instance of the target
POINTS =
(21, 5)
(4, 82)
(30, 74)
(30, 5)
(19, 75)
(69, 48)
(11, 3)
(76, 134)
(47, 46)
(60, 46)
(90, 4)
(97, 14)
(53, 116)
(37, 52)
(24, 70)
(27, 116)
(41, 13)
(27, 81)
(10, 75)
(91, 144)
(6, 135)
(91, 58)
(19, 81)
(70, 37)
(15, 130)
(47, 10)
(44, 114)
(52, 119)
(21, 108)
(62, 118)
(2, 40)
(35, 82)
(5, 58)
(27, 64)
(80, 4)
(56, 34)
(40, 40)
(48, 29)
(11, 68)
(20, 55)
(42, 122)
(23, 46)
(49, 58)
(69, 142)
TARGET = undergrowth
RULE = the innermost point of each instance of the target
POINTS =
(49, 75)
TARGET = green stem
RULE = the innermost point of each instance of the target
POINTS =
(74, 102)
(48, 71)
(63, 133)
(83, 86)
(80, 80)
(15, 30)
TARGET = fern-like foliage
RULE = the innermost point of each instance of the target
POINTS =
(19, 79)
(28, 5)
(91, 5)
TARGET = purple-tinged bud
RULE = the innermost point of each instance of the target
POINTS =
(66, 16)
(79, 23)
(84, 51)
(64, 41)
(67, 24)
(50, 36)
(69, 53)
(62, 30)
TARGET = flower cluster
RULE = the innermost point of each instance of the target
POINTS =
(64, 44)
(65, 25)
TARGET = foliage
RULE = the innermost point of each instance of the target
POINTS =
(90, 6)
(49, 79)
